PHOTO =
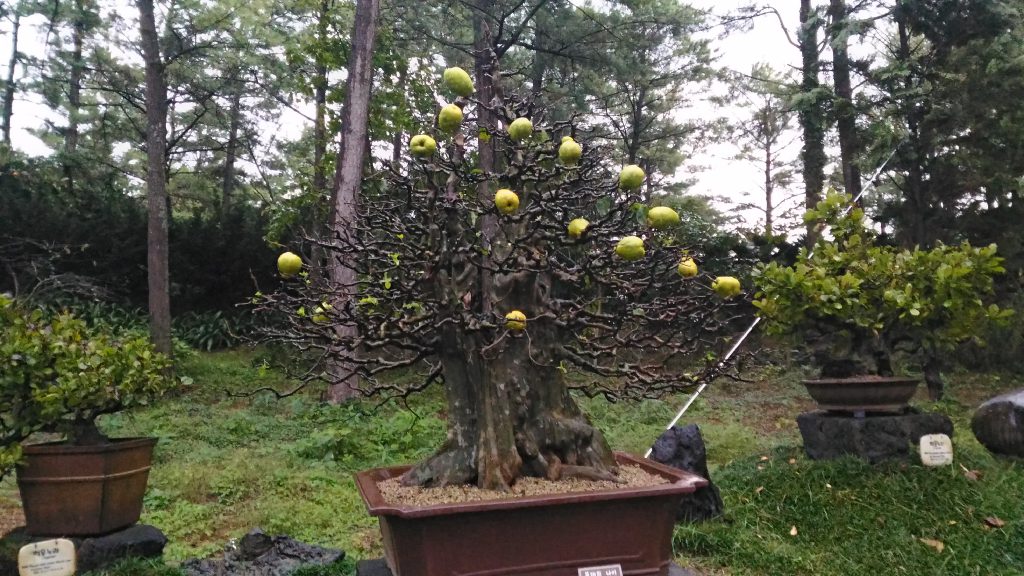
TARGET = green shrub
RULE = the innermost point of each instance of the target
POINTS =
(57, 375)
(857, 303)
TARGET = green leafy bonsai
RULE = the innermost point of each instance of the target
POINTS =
(856, 303)
(57, 376)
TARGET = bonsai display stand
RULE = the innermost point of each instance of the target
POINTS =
(874, 437)
(379, 567)
(138, 541)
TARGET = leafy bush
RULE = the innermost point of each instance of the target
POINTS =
(56, 375)
(857, 303)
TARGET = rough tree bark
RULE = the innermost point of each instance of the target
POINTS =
(74, 96)
(349, 173)
(227, 184)
(510, 412)
(156, 181)
(811, 112)
(320, 102)
(9, 86)
(916, 205)
(846, 114)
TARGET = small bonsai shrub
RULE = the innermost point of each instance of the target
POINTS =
(57, 376)
(856, 303)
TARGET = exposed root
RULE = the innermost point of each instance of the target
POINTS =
(449, 467)
(590, 473)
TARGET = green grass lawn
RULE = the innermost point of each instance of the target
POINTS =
(227, 464)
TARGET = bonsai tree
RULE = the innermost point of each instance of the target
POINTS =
(57, 376)
(857, 303)
(502, 257)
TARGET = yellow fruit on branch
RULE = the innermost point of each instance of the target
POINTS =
(289, 264)
(687, 268)
(569, 152)
(520, 129)
(726, 286)
(631, 177)
(422, 145)
(506, 201)
(449, 118)
(577, 227)
(630, 248)
(515, 320)
(458, 81)
(661, 217)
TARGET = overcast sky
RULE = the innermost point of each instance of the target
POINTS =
(765, 42)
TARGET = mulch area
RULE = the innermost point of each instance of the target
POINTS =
(11, 515)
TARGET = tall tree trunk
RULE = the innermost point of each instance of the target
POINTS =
(509, 410)
(74, 96)
(846, 114)
(916, 206)
(769, 184)
(398, 139)
(811, 113)
(9, 86)
(349, 173)
(320, 103)
(227, 184)
(156, 181)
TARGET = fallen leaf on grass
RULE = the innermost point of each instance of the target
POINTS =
(827, 485)
(970, 474)
(792, 531)
(936, 544)
(764, 458)
(792, 460)
(995, 521)
(758, 489)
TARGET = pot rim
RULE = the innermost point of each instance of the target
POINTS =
(679, 482)
(865, 379)
(62, 447)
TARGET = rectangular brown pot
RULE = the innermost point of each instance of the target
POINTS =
(84, 490)
(547, 535)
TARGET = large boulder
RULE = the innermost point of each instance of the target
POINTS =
(682, 447)
(999, 424)
(875, 437)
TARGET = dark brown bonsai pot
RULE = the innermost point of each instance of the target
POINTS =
(862, 393)
(69, 490)
(548, 535)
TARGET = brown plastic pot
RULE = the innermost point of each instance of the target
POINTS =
(547, 535)
(863, 393)
(84, 490)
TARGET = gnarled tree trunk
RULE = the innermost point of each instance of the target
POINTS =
(510, 411)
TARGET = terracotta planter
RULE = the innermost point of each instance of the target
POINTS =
(549, 535)
(84, 490)
(862, 394)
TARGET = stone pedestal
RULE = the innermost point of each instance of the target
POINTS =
(138, 541)
(872, 437)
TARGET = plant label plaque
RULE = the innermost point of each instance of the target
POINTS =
(936, 450)
(47, 558)
(609, 570)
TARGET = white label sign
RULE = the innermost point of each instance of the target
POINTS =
(609, 570)
(936, 450)
(47, 558)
